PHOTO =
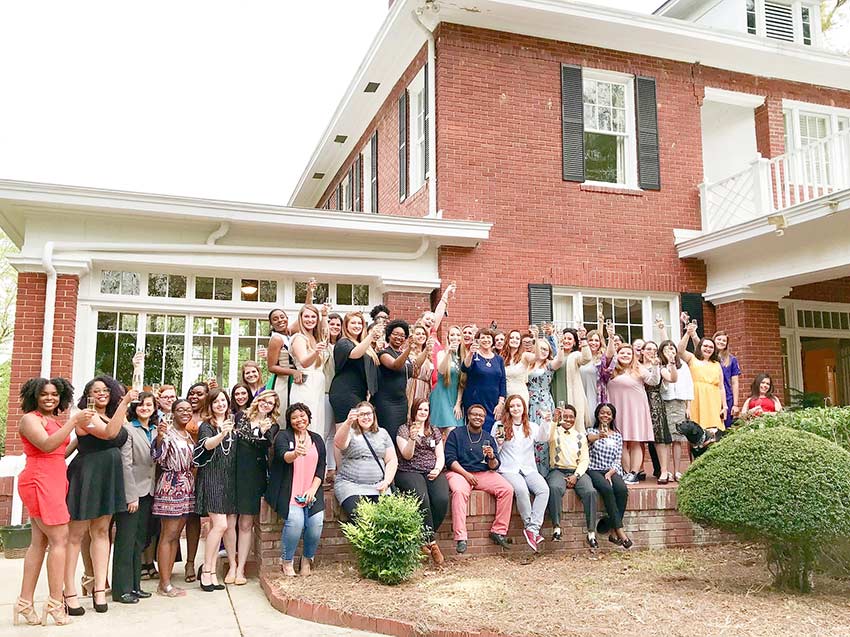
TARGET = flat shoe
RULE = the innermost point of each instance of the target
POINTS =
(662, 480)
(240, 581)
(229, 580)
(127, 598)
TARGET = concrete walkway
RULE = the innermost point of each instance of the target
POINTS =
(239, 611)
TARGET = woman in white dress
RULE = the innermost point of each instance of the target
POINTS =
(519, 358)
(310, 350)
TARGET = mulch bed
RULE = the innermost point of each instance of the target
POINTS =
(718, 590)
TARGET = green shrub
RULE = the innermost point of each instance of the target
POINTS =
(832, 423)
(786, 488)
(387, 538)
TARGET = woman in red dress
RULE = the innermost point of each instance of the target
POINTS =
(42, 486)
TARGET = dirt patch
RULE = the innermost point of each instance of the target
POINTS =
(721, 590)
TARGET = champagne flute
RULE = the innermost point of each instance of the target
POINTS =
(486, 445)
(138, 373)
(90, 404)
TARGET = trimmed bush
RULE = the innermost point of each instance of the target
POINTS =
(387, 538)
(787, 488)
(832, 423)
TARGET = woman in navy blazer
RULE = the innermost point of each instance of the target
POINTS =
(295, 487)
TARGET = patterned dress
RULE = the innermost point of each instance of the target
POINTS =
(174, 495)
(419, 385)
(657, 410)
(216, 489)
(540, 400)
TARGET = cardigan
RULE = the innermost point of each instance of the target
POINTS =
(279, 491)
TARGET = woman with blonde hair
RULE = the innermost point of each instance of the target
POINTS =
(447, 393)
(518, 362)
(309, 347)
(355, 364)
(421, 350)
(254, 435)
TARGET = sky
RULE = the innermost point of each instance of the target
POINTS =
(203, 98)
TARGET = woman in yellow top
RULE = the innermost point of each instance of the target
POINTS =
(708, 407)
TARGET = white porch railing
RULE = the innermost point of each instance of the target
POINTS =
(768, 186)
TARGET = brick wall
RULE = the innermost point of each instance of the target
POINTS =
(753, 328)
(831, 291)
(407, 305)
(26, 352)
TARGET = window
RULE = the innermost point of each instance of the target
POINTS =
(167, 285)
(784, 20)
(210, 350)
(807, 27)
(253, 333)
(116, 282)
(366, 178)
(345, 192)
(633, 314)
(751, 16)
(417, 113)
(164, 349)
(258, 290)
(352, 294)
(115, 345)
(212, 288)
(321, 294)
(607, 129)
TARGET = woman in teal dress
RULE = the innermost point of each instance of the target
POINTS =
(446, 394)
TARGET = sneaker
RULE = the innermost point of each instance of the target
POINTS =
(539, 539)
(461, 546)
(556, 534)
(530, 538)
(499, 539)
(630, 478)
(591, 542)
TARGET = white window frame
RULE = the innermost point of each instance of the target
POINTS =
(417, 131)
(630, 134)
(366, 176)
(797, 16)
(793, 110)
(647, 298)
(346, 192)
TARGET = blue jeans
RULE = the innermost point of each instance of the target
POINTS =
(299, 522)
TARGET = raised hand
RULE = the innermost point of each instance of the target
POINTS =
(581, 330)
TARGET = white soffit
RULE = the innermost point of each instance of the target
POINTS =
(733, 98)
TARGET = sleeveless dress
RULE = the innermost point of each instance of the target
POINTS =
(708, 399)
(43, 484)
(96, 478)
(657, 412)
(516, 380)
(589, 374)
(390, 400)
(628, 395)
(419, 385)
(443, 398)
(350, 384)
(281, 383)
(311, 392)
(540, 400)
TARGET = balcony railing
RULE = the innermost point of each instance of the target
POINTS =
(768, 186)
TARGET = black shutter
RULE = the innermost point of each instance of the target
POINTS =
(539, 303)
(649, 168)
(402, 146)
(358, 184)
(572, 123)
(692, 304)
(373, 177)
(425, 119)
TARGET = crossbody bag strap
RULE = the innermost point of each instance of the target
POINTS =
(374, 455)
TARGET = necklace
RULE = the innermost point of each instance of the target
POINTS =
(471, 441)
(225, 448)
(184, 434)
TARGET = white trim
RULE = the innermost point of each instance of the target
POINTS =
(811, 107)
(733, 98)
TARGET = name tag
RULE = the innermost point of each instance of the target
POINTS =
(291, 445)
(431, 443)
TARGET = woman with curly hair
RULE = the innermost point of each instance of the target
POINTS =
(42, 486)
(255, 432)
(390, 399)
(96, 485)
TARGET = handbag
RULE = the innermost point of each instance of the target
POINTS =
(390, 489)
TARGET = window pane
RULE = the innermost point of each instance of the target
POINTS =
(836, 321)
(661, 309)
(361, 295)
(268, 291)
(781, 317)
(589, 310)
(173, 372)
(157, 285)
(130, 283)
(223, 289)
(176, 286)
(249, 290)
(603, 93)
(104, 355)
(320, 296)
(110, 282)
(604, 158)
(129, 322)
(124, 362)
(618, 95)
(845, 321)
(204, 287)
(107, 320)
(211, 358)
(589, 92)
(343, 294)
(156, 323)
(177, 324)
(154, 344)
(636, 312)
(621, 311)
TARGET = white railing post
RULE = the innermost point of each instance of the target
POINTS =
(762, 191)
(703, 204)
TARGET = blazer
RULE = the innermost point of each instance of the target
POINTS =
(137, 463)
(279, 491)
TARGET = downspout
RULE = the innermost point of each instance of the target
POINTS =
(49, 309)
(432, 105)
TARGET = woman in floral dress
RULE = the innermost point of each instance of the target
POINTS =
(540, 399)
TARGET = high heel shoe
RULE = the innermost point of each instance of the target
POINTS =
(74, 612)
(23, 608)
(55, 609)
(207, 588)
(99, 608)
(87, 584)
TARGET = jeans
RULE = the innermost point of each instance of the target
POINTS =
(614, 494)
(299, 522)
(557, 481)
(524, 487)
(433, 497)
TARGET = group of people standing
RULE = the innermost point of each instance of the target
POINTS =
(360, 403)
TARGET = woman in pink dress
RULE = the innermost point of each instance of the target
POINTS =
(626, 392)
(43, 485)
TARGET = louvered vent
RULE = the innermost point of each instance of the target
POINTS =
(779, 21)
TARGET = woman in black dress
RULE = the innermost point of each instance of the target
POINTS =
(254, 435)
(96, 486)
(355, 366)
(215, 486)
(396, 367)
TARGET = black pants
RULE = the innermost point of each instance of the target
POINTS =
(557, 481)
(653, 455)
(131, 534)
(349, 505)
(433, 497)
(614, 494)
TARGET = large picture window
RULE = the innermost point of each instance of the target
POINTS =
(116, 344)
(210, 350)
(164, 340)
